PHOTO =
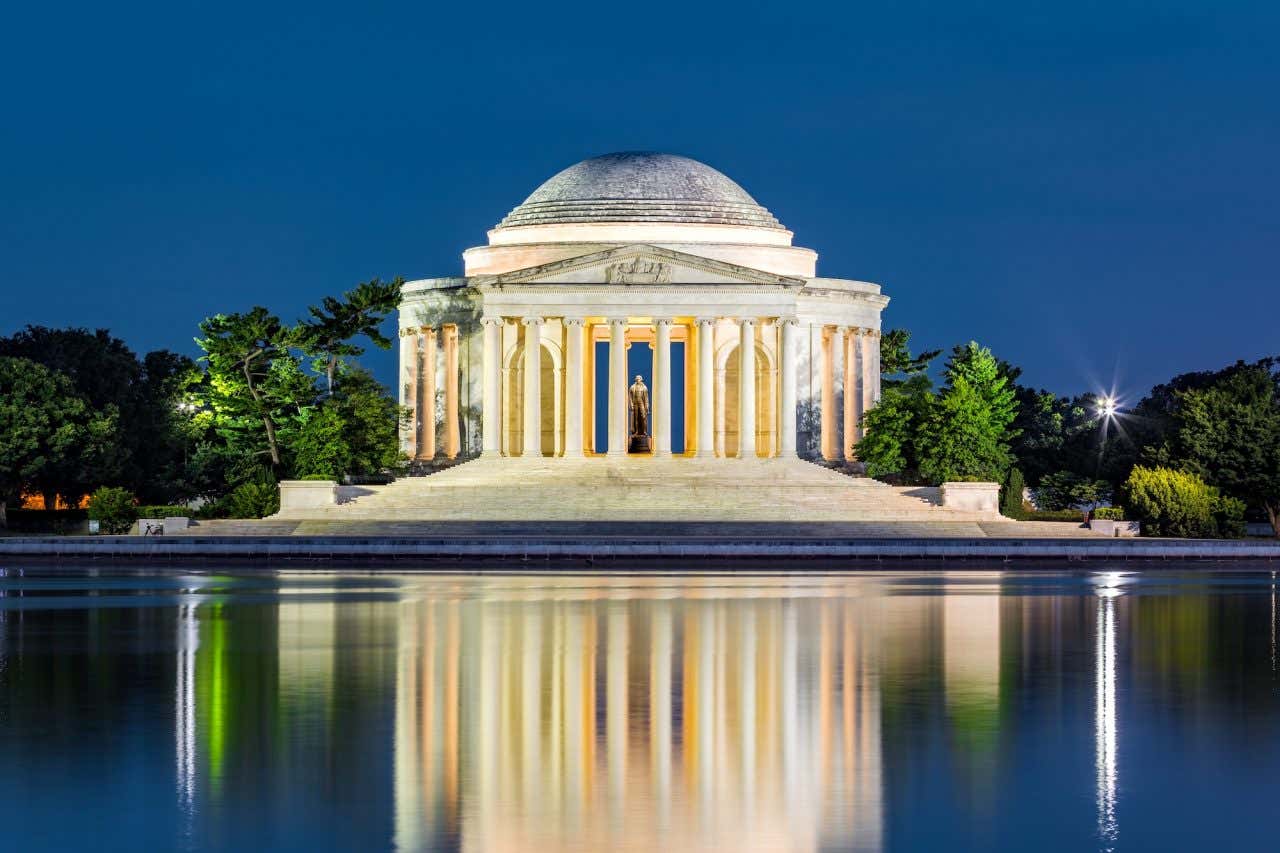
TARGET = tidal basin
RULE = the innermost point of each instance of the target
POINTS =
(970, 709)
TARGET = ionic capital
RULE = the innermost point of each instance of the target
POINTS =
(572, 322)
(491, 321)
(662, 321)
(616, 321)
(706, 321)
(532, 321)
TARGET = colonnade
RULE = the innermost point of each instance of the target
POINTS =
(850, 381)
(429, 364)
(576, 330)
(830, 372)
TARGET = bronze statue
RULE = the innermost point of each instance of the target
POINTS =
(639, 406)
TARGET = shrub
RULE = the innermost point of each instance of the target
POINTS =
(316, 477)
(1229, 518)
(254, 500)
(1073, 516)
(1109, 513)
(162, 511)
(114, 509)
(1066, 490)
(219, 508)
(1175, 503)
(1011, 499)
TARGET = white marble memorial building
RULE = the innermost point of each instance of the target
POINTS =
(638, 250)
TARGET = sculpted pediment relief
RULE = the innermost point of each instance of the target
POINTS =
(641, 265)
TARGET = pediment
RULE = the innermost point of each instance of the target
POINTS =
(641, 264)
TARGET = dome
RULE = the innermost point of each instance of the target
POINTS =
(640, 187)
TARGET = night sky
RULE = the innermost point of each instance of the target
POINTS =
(1090, 188)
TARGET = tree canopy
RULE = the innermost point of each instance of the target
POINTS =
(49, 434)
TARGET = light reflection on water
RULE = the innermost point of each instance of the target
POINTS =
(967, 710)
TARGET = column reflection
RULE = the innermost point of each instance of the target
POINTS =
(635, 724)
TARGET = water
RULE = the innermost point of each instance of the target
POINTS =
(974, 710)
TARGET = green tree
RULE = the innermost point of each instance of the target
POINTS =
(1229, 433)
(897, 364)
(254, 385)
(371, 418)
(321, 448)
(889, 444)
(46, 429)
(960, 440)
(334, 325)
(989, 379)
(967, 432)
(1011, 503)
(147, 453)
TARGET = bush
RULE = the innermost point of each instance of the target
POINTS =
(317, 477)
(162, 511)
(57, 522)
(1067, 490)
(1073, 516)
(218, 508)
(1011, 497)
(1175, 503)
(1229, 518)
(114, 509)
(1109, 513)
(254, 500)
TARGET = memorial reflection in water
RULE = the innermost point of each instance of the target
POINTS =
(638, 723)
(876, 711)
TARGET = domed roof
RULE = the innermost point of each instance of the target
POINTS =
(637, 186)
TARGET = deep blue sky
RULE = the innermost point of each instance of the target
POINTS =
(1090, 188)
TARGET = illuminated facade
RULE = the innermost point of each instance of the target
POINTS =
(637, 249)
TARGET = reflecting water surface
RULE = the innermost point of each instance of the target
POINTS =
(975, 710)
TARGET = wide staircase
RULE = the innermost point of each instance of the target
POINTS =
(636, 489)
(771, 494)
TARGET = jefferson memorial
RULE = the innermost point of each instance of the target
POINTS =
(638, 340)
(640, 259)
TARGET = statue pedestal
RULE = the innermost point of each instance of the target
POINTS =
(639, 444)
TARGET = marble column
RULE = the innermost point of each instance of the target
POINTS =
(661, 410)
(853, 389)
(747, 389)
(705, 414)
(871, 357)
(863, 358)
(828, 413)
(617, 387)
(532, 386)
(834, 447)
(491, 419)
(573, 387)
(787, 402)
(452, 397)
(427, 420)
(410, 369)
